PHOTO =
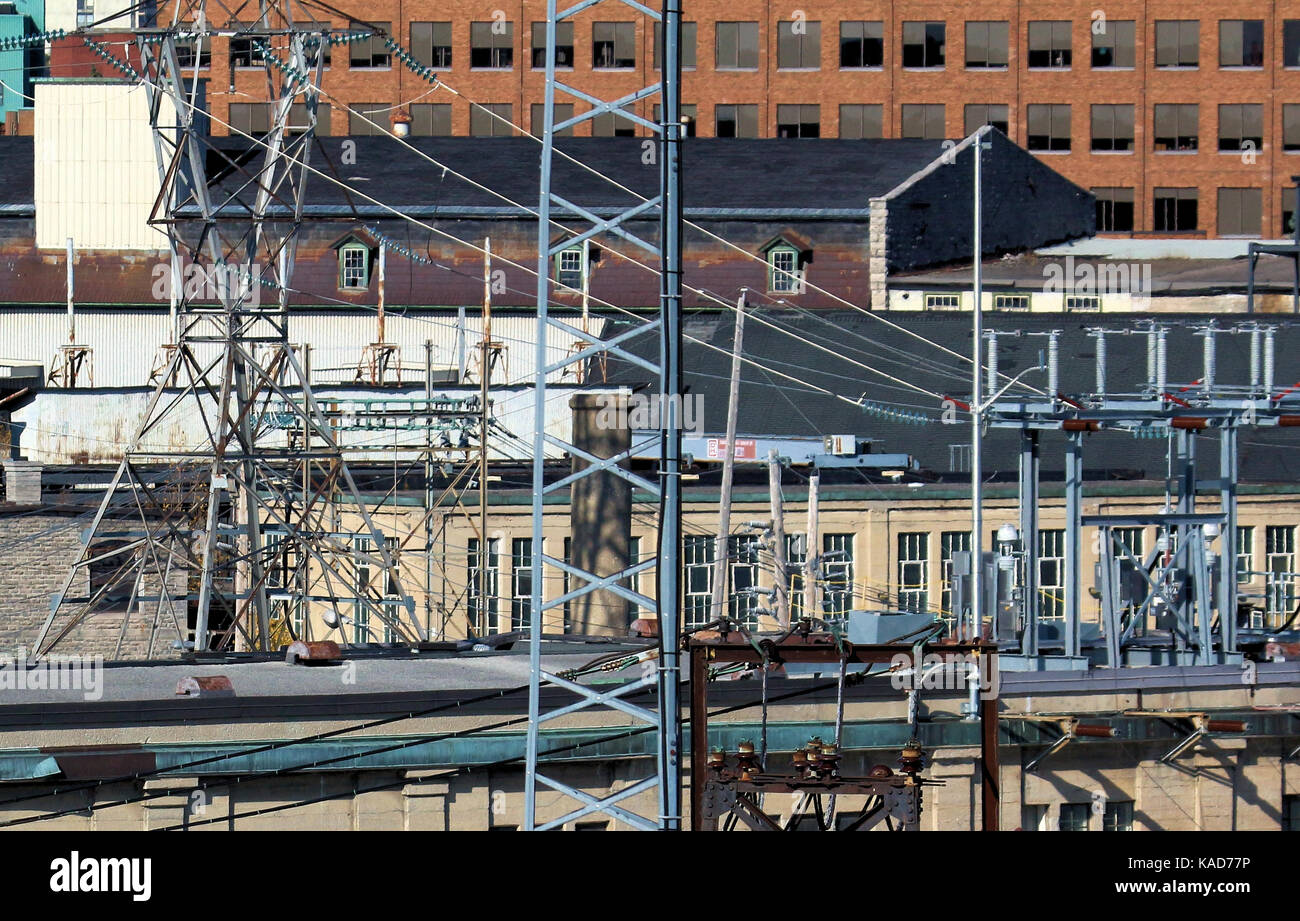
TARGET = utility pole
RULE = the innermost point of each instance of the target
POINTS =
(728, 464)
(778, 538)
(976, 411)
(811, 543)
(485, 379)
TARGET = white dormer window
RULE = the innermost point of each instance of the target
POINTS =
(571, 267)
(784, 275)
(354, 266)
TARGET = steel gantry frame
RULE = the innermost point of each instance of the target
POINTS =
(558, 202)
(257, 536)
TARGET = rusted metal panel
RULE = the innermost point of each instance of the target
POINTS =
(205, 686)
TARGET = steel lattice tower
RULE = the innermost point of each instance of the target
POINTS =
(249, 527)
(665, 716)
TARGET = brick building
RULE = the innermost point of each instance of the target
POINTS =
(1184, 118)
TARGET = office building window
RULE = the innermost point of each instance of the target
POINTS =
(1240, 212)
(1175, 210)
(611, 125)
(980, 114)
(837, 573)
(1241, 43)
(914, 571)
(1177, 127)
(1049, 44)
(736, 121)
(613, 45)
(1291, 43)
(862, 44)
(521, 582)
(563, 45)
(1291, 127)
(923, 44)
(251, 117)
(742, 567)
(371, 52)
(491, 120)
(1131, 539)
(795, 557)
(1279, 563)
(697, 559)
(431, 44)
(1291, 812)
(1245, 552)
(1288, 198)
(950, 543)
(798, 121)
(987, 44)
(1051, 573)
(537, 118)
(689, 117)
(925, 121)
(1049, 127)
(491, 45)
(188, 52)
(431, 119)
(481, 606)
(1178, 43)
(85, 13)
(736, 45)
(368, 119)
(1241, 127)
(799, 45)
(1112, 127)
(1114, 45)
(1118, 816)
(1115, 209)
(861, 120)
(1074, 816)
(298, 118)
(243, 51)
(688, 45)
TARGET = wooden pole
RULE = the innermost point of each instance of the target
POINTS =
(811, 556)
(782, 583)
(728, 466)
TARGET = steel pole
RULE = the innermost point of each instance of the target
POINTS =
(976, 467)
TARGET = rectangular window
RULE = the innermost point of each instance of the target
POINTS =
(1178, 43)
(980, 114)
(1049, 44)
(1241, 43)
(1112, 127)
(1033, 817)
(482, 607)
(491, 45)
(736, 45)
(795, 557)
(1114, 209)
(187, 52)
(1175, 209)
(697, 579)
(368, 119)
(798, 121)
(925, 121)
(837, 573)
(298, 118)
(1291, 127)
(1291, 43)
(1118, 816)
(783, 271)
(1051, 573)
(950, 543)
(1131, 539)
(862, 44)
(1177, 126)
(1245, 552)
(85, 13)
(354, 267)
(942, 301)
(742, 566)
(613, 45)
(243, 53)
(251, 117)
(566, 584)
(431, 44)
(1241, 127)
(1082, 302)
(736, 121)
(521, 583)
(1291, 812)
(986, 44)
(1114, 45)
(570, 268)
(491, 120)
(1279, 563)
(1240, 212)
(861, 121)
(563, 45)
(914, 571)
(431, 119)
(1049, 127)
(799, 45)
(923, 44)
(1011, 302)
(689, 117)
(1288, 199)
(537, 118)
(688, 45)
(1074, 816)
(371, 52)
(609, 125)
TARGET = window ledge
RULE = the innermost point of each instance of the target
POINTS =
(736, 70)
(1113, 153)
(1129, 67)
(1043, 70)
(999, 68)
(805, 70)
(1056, 153)
(937, 68)
(1175, 153)
(1178, 67)
(871, 68)
(1257, 67)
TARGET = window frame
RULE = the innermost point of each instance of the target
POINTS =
(354, 247)
(929, 47)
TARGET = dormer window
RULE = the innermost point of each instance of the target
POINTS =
(354, 266)
(573, 265)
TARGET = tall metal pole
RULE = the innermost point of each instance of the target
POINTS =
(485, 379)
(720, 556)
(976, 412)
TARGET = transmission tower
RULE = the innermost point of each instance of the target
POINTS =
(558, 201)
(262, 522)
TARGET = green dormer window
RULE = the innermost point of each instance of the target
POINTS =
(354, 267)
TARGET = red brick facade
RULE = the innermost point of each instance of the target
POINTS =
(891, 86)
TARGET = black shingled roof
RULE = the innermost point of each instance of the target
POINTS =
(771, 405)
